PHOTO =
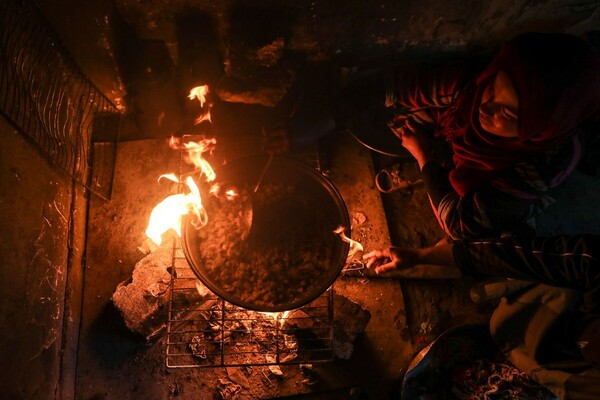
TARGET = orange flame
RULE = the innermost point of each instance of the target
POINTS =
(169, 213)
(194, 155)
(203, 117)
(200, 93)
(355, 246)
(277, 316)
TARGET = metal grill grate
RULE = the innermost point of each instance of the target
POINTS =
(206, 331)
(44, 94)
(203, 330)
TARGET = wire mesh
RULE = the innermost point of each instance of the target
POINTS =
(49, 100)
(203, 330)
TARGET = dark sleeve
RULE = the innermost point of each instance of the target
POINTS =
(564, 261)
(484, 212)
(511, 199)
(402, 92)
(436, 181)
(475, 214)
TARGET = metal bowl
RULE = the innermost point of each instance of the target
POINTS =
(310, 208)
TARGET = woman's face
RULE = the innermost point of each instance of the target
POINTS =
(499, 107)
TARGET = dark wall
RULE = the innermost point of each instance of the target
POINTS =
(35, 209)
(345, 30)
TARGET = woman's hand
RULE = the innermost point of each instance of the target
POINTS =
(414, 140)
(392, 258)
(436, 262)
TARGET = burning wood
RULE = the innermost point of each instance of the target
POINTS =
(168, 214)
(242, 336)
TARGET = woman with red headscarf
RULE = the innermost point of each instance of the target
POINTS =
(515, 131)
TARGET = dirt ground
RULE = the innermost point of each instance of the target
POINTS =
(432, 306)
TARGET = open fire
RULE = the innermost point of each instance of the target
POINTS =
(203, 328)
(355, 246)
(208, 331)
(169, 213)
(274, 267)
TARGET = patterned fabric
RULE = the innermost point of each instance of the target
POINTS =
(464, 363)
(423, 97)
(511, 200)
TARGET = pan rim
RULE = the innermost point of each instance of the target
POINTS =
(323, 286)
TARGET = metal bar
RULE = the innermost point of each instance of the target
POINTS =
(47, 98)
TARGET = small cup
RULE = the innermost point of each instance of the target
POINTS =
(398, 177)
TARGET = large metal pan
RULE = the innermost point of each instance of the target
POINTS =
(293, 225)
(370, 129)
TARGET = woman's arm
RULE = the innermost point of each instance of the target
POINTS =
(475, 214)
(571, 261)
(434, 262)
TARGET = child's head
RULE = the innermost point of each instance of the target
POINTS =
(499, 107)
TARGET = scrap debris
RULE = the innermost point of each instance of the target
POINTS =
(227, 389)
(358, 218)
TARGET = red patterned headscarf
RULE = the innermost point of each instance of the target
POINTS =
(557, 80)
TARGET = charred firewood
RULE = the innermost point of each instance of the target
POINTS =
(142, 299)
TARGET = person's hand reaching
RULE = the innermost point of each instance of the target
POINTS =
(414, 139)
(391, 258)
(438, 260)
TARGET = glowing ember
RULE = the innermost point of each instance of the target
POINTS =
(231, 194)
(355, 246)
